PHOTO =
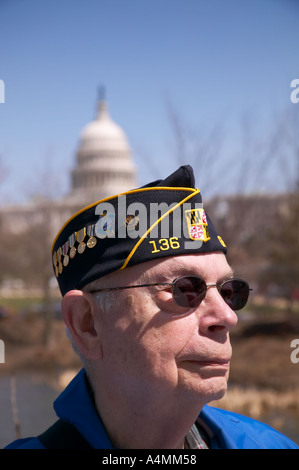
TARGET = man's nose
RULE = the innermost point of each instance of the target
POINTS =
(215, 313)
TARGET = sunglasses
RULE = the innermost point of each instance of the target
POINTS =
(190, 291)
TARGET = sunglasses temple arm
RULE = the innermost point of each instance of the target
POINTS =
(107, 289)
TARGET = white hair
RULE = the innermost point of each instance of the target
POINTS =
(104, 300)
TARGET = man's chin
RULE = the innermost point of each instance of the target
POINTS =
(207, 390)
(215, 389)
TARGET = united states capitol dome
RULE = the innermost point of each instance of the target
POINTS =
(103, 133)
(104, 164)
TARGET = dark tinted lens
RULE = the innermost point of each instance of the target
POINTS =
(188, 291)
(235, 293)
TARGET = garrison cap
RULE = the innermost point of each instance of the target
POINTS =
(163, 218)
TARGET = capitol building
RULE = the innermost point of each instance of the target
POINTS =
(104, 164)
(103, 167)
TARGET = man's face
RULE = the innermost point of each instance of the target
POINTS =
(154, 349)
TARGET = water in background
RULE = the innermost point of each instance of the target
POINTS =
(34, 405)
(35, 397)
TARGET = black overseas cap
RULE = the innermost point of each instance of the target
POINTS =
(163, 218)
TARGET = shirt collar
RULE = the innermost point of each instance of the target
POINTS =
(75, 405)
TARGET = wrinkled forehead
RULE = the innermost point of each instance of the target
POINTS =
(199, 264)
(205, 265)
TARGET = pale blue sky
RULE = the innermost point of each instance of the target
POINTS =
(213, 60)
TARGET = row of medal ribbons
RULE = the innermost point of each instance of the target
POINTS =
(61, 257)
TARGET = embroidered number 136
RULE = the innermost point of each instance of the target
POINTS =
(165, 244)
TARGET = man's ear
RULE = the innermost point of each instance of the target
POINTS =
(79, 314)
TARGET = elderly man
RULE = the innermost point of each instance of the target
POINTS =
(149, 300)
